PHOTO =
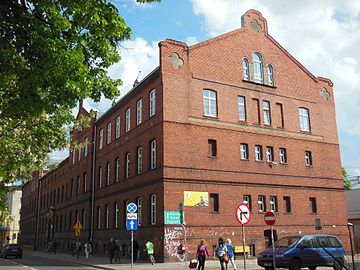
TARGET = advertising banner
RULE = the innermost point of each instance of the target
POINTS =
(194, 198)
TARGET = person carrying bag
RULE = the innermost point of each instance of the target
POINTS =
(221, 252)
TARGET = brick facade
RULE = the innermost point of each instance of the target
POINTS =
(182, 132)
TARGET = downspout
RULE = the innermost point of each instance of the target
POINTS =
(93, 187)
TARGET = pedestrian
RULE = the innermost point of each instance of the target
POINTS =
(73, 248)
(50, 246)
(78, 246)
(221, 252)
(88, 250)
(149, 247)
(231, 252)
(136, 250)
(110, 249)
(117, 251)
(201, 253)
(54, 246)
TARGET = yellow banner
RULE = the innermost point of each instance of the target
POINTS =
(194, 198)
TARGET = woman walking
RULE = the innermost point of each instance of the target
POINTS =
(221, 252)
(230, 252)
(202, 252)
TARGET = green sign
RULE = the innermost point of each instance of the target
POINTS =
(172, 217)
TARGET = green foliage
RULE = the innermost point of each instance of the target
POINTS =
(347, 182)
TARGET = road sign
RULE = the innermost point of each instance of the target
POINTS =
(172, 217)
(131, 216)
(243, 214)
(78, 227)
(131, 207)
(131, 224)
(270, 218)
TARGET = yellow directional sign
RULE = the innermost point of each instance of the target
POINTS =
(78, 227)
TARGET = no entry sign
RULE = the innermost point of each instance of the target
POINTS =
(269, 218)
(243, 214)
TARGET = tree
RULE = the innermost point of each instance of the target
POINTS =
(347, 182)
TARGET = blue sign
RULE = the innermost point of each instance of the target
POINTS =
(131, 224)
(131, 207)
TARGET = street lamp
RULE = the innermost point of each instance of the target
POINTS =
(351, 244)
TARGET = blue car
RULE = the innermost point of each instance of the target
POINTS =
(295, 252)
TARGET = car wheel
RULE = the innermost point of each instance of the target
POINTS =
(295, 265)
(269, 268)
(338, 264)
(312, 268)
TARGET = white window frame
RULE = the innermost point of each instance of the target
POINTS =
(108, 173)
(108, 135)
(246, 200)
(99, 218)
(244, 153)
(101, 139)
(100, 176)
(246, 69)
(153, 209)
(304, 119)
(210, 103)
(116, 209)
(139, 211)
(127, 119)
(139, 160)
(139, 112)
(258, 153)
(73, 155)
(127, 165)
(261, 203)
(270, 74)
(272, 203)
(267, 114)
(117, 127)
(308, 158)
(106, 216)
(282, 155)
(86, 147)
(242, 108)
(269, 154)
(258, 68)
(117, 170)
(152, 102)
(153, 154)
(79, 154)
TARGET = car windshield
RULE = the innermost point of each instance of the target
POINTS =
(288, 241)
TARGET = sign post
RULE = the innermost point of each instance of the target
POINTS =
(270, 219)
(243, 216)
(131, 225)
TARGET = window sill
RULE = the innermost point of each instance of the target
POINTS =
(287, 213)
(260, 161)
(242, 122)
(212, 157)
(309, 166)
(305, 131)
(244, 159)
(210, 116)
(213, 212)
(283, 163)
(258, 83)
(314, 214)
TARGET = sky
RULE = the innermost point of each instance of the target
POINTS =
(323, 35)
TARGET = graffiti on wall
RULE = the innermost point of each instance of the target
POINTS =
(173, 237)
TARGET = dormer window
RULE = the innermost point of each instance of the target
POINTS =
(246, 69)
(270, 74)
(258, 68)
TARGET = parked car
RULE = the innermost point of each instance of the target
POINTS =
(295, 252)
(11, 250)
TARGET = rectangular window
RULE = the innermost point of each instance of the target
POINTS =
(83, 218)
(262, 203)
(280, 113)
(86, 147)
(318, 226)
(267, 115)
(153, 154)
(84, 182)
(101, 138)
(210, 103)
(106, 216)
(108, 137)
(108, 173)
(283, 155)
(256, 106)
(287, 204)
(116, 215)
(78, 185)
(139, 160)
(128, 120)
(71, 189)
(244, 153)
(152, 101)
(313, 206)
(273, 204)
(304, 119)
(308, 158)
(212, 150)
(139, 112)
(269, 154)
(153, 209)
(139, 211)
(258, 153)
(117, 127)
(79, 154)
(247, 200)
(214, 203)
(100, 177)
(73, 156)
(241, 108)
(98, 225)
(127, 165)
(117, 170)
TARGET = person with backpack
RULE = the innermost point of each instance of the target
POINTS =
(201, 253)
(231, 252)
(221, 253)
(88, 250)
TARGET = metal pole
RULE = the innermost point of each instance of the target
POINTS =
(243, 234)
(132, 248)
(351, 245)
(273, 247)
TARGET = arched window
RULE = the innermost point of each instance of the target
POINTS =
(270, 74)
(258, 67)
(246, 69)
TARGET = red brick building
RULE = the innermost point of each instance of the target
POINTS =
(235, 118)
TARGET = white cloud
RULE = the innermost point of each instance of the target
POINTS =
(191, 41)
